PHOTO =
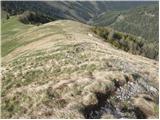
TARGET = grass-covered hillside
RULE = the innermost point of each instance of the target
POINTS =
(140, 21)
(65, 69)
(11, 28)
(53, 68)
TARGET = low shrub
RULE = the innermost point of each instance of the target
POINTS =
(29, 17)
(128, 42)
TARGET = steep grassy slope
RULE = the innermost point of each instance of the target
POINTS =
(11, 28)
(64, 66)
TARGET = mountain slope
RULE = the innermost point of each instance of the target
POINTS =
(10, 29)
(69, 68)
(75, 10)
(127, 42)
(140, 21)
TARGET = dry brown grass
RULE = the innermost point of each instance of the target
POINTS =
(59, 75)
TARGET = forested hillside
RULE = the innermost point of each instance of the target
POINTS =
(140, 21)
(78, 10)
(128, 42)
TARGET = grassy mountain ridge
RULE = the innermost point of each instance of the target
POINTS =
(122, 16)
(66, 69)
(77, 72)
